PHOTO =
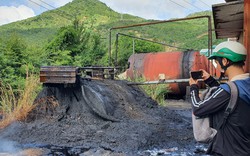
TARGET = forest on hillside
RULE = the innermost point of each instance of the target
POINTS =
(77, 34)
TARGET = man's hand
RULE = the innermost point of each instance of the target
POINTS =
(205, 74)
(192, 81)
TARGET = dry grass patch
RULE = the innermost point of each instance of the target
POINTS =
(16, 106)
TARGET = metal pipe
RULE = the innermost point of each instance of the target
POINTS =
(159, 82)
(116, 49)
(150, 23)
(133, 57)
(110, 46)
(140, 38)
(159, 22)
(166, 81)
(133, 46)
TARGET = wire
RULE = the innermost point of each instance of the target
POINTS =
(39, 5)
(56, 8)
(144, 39)
(47, 4)
(181, 5)
(205, 3)
(193, 5)
(48, 9)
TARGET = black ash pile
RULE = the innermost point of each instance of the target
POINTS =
(99, 116)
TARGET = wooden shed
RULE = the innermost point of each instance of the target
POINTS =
(232, 20)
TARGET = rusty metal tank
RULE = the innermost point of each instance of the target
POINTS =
(174, 65)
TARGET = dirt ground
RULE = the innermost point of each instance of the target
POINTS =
(114, 119)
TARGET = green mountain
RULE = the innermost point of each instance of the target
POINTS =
(38, 30)
(42, 28)
(77, 34)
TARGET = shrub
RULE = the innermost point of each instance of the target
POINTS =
(155, 91)
(16, 107)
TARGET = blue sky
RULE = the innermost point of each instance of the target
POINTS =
(14, 10)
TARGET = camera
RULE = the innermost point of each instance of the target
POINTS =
(196, 74)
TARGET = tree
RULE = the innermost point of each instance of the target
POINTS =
(77, 45)
(12, 59)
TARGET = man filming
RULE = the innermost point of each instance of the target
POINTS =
(233, 138)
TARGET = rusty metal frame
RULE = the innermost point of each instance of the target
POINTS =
(160, 22)
(139, 38)
(247, 32)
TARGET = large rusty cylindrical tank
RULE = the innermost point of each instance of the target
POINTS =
(174, 65)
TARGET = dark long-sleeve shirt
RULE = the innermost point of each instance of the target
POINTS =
(234, 138)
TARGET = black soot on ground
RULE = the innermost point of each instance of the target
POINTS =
(102, 117)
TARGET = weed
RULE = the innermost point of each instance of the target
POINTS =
(16, 106)
(155, 91)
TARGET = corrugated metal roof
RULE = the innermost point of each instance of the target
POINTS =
(228, 19)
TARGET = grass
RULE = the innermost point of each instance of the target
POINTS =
(155, 91)
(16, 106)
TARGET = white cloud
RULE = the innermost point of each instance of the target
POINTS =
(148, 9)
(160, 9)
(12, 14)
